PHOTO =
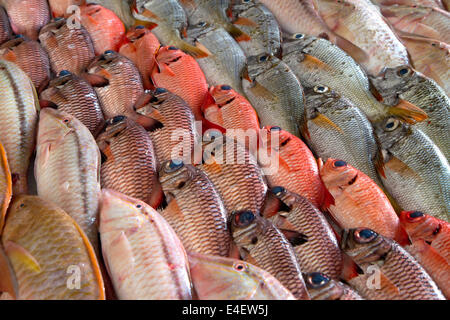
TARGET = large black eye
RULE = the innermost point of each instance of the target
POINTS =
(278, 191)
(298, 36)
(320, 89)
(64, 73)
(18, 36)
(403, 72)
(140, 27)
(160, 90)
(173, 48)
(243, 218)
(317, 279)
(275, 128)
(263, 58)
(416, 214)
(107, 52)
(364, 235)
(201, 24)
(116, 119)
(339, 163)
(173, 165)
(225, 87)
(391, 124)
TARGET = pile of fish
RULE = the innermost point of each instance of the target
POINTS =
(241, 149)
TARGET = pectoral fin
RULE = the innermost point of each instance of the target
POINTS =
(19, 255)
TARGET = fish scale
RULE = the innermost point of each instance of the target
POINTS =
(5, 27)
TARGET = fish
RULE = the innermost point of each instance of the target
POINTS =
(227, 60)
(144, 256)
(35, 230)
(129, 165)
(30, 57)
(416, 173)
(256, 20)
(142, 49)
(275, 92)
(213, 12)
(390, 272)
(105, 29)
(180, 74)
(358, 201)
(228, 110)
(19, 105)
(234, 171)
(174, 129)
(409, 85)
(5, 27)
(417, 20)
(74, 95)
(64, 8)
(434, 231)
(297, 169)
(194, 209)
(68, 48)
(317, 61)
(219, 278)
(27, 17)
(263, 245)
(322, 287)
(349, 134)
(5, 186)
(433, 263)
(122, 8)
(168, 21)
(67, 168)
(308, 231)
(361, 23)
(429, 3)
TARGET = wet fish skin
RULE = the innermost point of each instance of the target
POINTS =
(5, 186)
(263, 245)
(195, 210)
(19, 106)
(430, 3)
(144, 256)
(30, 57)
(321, 287)
(68, 48)
(5, 27)
(417, 174)
(74, 95)
(275, 93)
(401, 276)
(35, 229)
(67, 168)
(122, 8)
(130, 164)
(219, 278)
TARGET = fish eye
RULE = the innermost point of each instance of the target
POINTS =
(138, 206)
(403, 72)
(275, 128)
(243, 218)
(239, 266)
(139, 27)
(364, 235)
(160, 90)
(212, 134)
(298, 36)
(108, 52)
(64, 73)
(391, 124)
(278, 191)
(201, 24)
(245, 1)
(172, 166)
(18, 36)
(317, 279)
(173, 48)
(225, 87)
(415, 214)
(263, 58)
(320, 89)
(339, 163)
(66, 120)
(115, 120)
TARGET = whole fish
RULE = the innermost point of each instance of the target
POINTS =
(317, 61)
(213, 12)
(406, 84)
(358, 201)
(18, 105)
(68, 48)
(322, 287)
(67, 168)
(72, 94)
(296, 170)
(227, 60)
(235, 173)
(349, 134)
(30, 57)
(417, 174)
(229, 110)
(430, 22)
(144, 256)
(122, 8)
(168, 22)
(275, 92)
(219, 278)
(262, 244)
(399, 275)
(310, 234)
(130, 163)
(27, 17)
(360, 22)
(46, 249)
(142, 49)
(194, 209)
(5, 186)
(173, 120)
(421, 226)
(104, 27)
(180, 73)
(64, 8)
(5, 27)
(260, 24)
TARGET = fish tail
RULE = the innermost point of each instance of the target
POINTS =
(238, 34)
(194, 51)
(408, 112)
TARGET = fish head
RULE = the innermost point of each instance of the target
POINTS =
(322, 287)
(175, 177)
(364, 245)
(55, 125)
(333, 8)
(389, 131)
(137, 32)
(17, 41)
(337, 173)
(93, 10)
(319, 97)
(22, 214)
(245, 228)
(239, 6)
(393, 81)
(106, 61)
(257, 65)
(169, 54)
(64, 78)
(419, 225)
(223, 94)
(49, 31)
(113, 128)
(154, 108)
(399, 12)
(199, 30)
(275, 138)
(296, 42)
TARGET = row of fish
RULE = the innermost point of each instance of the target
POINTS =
(117, 81)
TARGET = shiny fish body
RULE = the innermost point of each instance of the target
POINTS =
(145, 258)
(18, 122)
(417, 173)
(67, 168)
(275, 93)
